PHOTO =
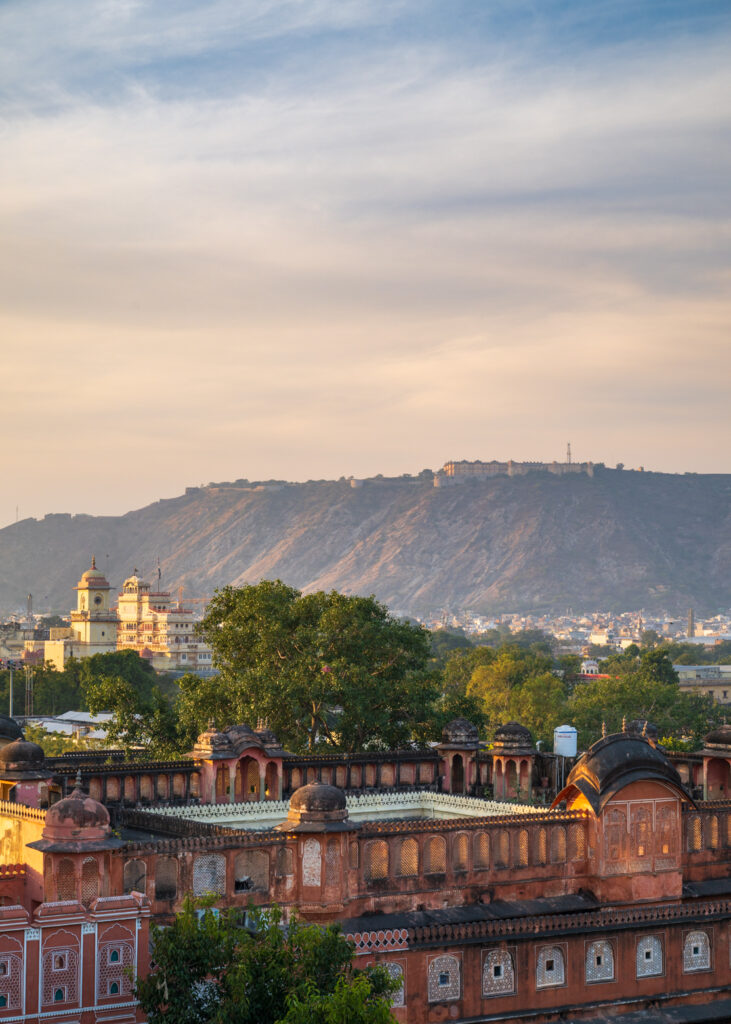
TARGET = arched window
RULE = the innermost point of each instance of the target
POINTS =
(696, 952)
(408, 862)
(498, 973)
(435, 856)
(649, 957)
(542, 847)
(284, 864)
(461, 852)
(558, 844)
(89, 881)
(376, 860)
(502, 853)
(550, 970)
(251, 871)
(209, 874)
(665, 831)
(641, 835)
(396, 973)
(523, 848)
(311, 862)
(577, 842)
(482, 850)
(166, 878)
(712, 836)
(114, 988)
(443, 981)
(695, 833)
(66, 880)
(135, 876)
(599, 962)
(113, 956)
(615, 840)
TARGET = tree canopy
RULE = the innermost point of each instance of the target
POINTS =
(211, 969)
(324, 667)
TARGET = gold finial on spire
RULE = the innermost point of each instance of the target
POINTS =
(93, 561)
(604, 730)
(644, 728)
(624, 724)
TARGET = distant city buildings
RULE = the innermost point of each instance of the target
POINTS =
(146, 621)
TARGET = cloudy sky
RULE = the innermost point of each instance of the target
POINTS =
(307, 238)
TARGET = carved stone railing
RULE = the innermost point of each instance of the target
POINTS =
(11, 871)
(466, 824)
(557, 924)
(442, 809)
(21, 811)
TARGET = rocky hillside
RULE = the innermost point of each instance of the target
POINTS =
(539, 542)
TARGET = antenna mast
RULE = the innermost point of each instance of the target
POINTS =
(568, 453)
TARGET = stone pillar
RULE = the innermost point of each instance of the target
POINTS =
(262, 784)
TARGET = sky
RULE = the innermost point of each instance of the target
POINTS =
(300, 239)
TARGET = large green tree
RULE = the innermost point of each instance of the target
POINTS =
(321, 667)
(209, 969)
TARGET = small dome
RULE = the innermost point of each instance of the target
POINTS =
(317, 796)
(719, 737)
(512, 737)
(93, 577)
(77, 818)
(9, 728)
(316, 807)
(22, 755)
(460, 730)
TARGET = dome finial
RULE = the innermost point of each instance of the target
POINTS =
(644, 728)
(93, 561)
(78, 784)
(624, 724)
(604, 730)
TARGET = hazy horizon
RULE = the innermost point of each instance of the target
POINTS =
(305, 239)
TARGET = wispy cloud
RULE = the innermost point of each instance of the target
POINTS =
(305, 238)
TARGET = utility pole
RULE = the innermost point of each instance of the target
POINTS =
(11, 693)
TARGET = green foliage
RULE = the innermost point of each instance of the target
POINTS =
(645, 692)
(519, 684)
(211, 970)
(321, 667)
(139, 720)
(55, 743)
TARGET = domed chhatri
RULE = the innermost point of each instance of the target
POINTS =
(21, 755)
(9, 730)
(719, 738)
(512, 738)
(614, 762)
(317, 807)
(460, 732)
(23, 761)
(75, 824)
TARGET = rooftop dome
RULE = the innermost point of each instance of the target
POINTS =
(317, 796)
(460, 731)
(317, 807)
(21, 755)
(9, 728)
(615, 761)
(92, 577)
(719, 738)
(512, 737)
(76, 823)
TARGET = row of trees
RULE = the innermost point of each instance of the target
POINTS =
(328, 669)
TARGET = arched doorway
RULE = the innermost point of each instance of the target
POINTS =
(271, 785)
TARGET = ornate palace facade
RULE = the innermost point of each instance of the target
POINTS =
(614, 900)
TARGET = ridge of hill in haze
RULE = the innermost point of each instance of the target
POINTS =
(620, 540)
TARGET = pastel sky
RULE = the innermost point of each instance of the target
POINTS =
(306, 238)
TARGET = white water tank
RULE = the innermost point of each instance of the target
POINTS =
(564, 740)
